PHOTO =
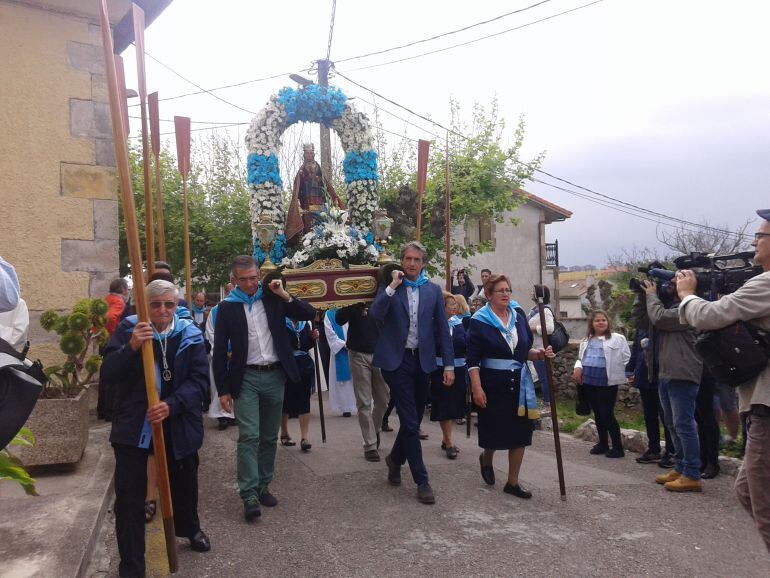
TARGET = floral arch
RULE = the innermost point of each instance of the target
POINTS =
(352, 240)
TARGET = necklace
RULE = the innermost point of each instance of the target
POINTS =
(163, 342)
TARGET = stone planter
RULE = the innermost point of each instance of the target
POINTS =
(60, 427)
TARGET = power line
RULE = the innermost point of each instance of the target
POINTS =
(222, 122)
(477, 39)
(198, 129)
(331, 29)
(437, 36)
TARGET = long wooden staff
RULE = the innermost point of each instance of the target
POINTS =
(152, 101)
(182, 130)
(149, 226)
(318, 382)
(135, 256)
(423, 148)
(549, 374)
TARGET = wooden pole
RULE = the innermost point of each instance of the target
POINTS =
(318, 383)
(155, 142)
(149, 226)
(135, 256)
(448, 268)
(182, 130)
(549, 374)
(423, 147)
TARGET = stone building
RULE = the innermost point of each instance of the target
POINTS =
(59, 209)
(520, 250)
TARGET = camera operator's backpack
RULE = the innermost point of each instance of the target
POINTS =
(734, 354)
(20, 386)
(559, 338)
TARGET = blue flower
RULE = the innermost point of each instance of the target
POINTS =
(359, 166)
(312, 103)
(370, 240)
(263, 169)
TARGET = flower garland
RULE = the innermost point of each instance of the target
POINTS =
(330, 107)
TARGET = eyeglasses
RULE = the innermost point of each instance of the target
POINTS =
(247, 279)
(159, 304)
(758, 236)
(503, 291)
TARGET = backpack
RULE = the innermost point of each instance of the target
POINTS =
(20, 386)
(559, 338)
(734, 354)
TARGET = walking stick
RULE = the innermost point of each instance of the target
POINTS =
(135, 256)
(469, 407)
(320, 389)
(549, 375)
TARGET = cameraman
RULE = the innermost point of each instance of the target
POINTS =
(679, 372)
(749, 303)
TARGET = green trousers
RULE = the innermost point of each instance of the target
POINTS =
(258, 413)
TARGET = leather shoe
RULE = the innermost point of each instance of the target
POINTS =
(268, 499)
(372, 455)
(200, 542)
(710, 471)
(487, 472)
(394, 471)
(251, 510)
(598, 450)
(517, 491)
(425, 494)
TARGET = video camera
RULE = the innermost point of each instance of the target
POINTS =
(719, 274)
(658, 274)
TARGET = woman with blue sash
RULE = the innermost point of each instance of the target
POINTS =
(181, 369)
(296, 395)
(448, 402)
(498, 347)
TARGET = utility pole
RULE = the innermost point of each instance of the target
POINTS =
(326, 143)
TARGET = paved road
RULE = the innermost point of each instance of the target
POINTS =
(338, 516)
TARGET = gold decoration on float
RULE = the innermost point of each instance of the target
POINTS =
(355, 286)
(307, 289)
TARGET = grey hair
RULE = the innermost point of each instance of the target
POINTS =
(417, 246)
(158, 288)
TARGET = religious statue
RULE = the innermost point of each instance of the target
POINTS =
(310, 197)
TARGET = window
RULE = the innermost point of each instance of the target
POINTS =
(479, 230)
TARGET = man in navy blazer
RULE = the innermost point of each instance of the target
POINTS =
(412, 312)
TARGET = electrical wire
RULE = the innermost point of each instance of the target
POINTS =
(222, 122)
(458, 45)
(443, 34)
(198, 129)
(331, 29)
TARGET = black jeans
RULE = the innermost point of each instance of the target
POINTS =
(602, 398)
(708, 427)
(130, 492)
(653, 419)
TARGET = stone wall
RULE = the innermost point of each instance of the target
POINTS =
(60, 209)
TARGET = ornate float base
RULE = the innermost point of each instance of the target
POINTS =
(327, 283)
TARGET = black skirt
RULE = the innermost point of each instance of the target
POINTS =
(447, 403)
(296, 394)
(500, 425)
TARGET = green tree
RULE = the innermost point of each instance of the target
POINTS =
(484, 176)
(218, 205)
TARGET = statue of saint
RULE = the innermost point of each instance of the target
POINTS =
(310, 197)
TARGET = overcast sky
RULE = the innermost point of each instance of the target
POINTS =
(660, 103)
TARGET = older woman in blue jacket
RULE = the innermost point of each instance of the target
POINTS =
(181, 368)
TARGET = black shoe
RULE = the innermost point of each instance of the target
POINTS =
(394, 471)
(615, 453)
(251, 509)
(425, 494)
(386, 427)
(517, 491)
(487, 472)
(224, 423)
(451, 451)
(200, 542)
(599, 449)
(648, 457)
(346, 414)
(372, 455)
(305, 445)
(666, 461)
(267, 499)
(710, 471)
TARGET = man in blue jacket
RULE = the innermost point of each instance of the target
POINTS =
(412, 312)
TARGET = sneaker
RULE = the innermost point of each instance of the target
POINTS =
(267, 499)
(599, 449)
(251, 509)
(615, 453)
(666, 478)
(425, 494)
(666, 461)
(648, 457)
(684, 484)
